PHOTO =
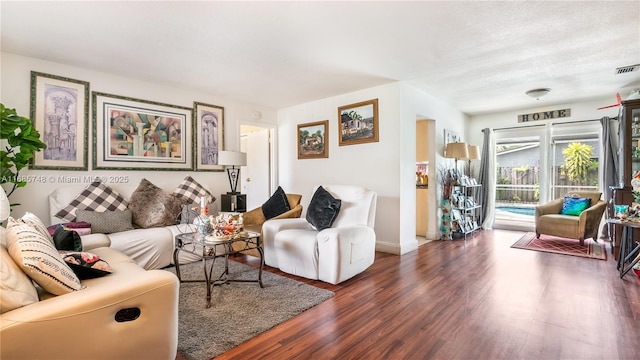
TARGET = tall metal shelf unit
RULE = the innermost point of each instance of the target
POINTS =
(466, 209)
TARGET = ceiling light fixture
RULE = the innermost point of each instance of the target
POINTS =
(538, 93)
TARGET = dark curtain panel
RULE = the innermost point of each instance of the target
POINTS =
(610, 161)
(486, 177)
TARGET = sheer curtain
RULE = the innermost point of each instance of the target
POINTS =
(487, 178)
(609, 162)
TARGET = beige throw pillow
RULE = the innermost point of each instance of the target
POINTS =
(39, 259)
(16, 289)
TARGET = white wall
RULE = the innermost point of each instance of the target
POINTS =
(587, 110)
(15, 93)
(372, 165)
(387, 166)
(419, 105)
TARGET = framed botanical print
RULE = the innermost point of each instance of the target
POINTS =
(312, 140)
(136, 134)
(60, 113)
(358, 123)
(208, 123)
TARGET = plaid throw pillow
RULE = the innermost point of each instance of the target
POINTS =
(193, 191)
(96, 197)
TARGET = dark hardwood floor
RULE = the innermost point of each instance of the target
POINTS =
(479, 300)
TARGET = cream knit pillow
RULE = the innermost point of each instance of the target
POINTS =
(16, 289)
(36, 255)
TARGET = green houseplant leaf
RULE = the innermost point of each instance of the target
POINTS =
(19, 141)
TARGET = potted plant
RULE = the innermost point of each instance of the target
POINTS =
(19, 141)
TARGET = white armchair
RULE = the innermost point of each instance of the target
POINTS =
(332, 255)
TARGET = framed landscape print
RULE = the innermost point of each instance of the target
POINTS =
(358, 123)
(451, 136)
(208, 122)
(312, 140)
(135, 134)
(60, 113)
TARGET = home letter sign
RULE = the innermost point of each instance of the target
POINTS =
(545, 115)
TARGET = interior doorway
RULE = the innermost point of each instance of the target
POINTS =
(425, 195)
(258, 176)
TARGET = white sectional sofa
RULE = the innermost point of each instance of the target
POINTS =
(150, 248)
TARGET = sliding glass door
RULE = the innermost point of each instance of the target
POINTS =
(518, 171)
(575, 155)
(536, 164)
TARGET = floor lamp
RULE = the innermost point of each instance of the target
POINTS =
(456, 150)
(474, 154)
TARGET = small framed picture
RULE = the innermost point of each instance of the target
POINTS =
(456, 214)
(312, 140)
(453, 174)
(469, 223)
(358, 123)
(461, 201)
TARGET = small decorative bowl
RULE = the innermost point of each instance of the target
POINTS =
(621, 211)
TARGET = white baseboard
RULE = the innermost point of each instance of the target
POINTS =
(396, 249)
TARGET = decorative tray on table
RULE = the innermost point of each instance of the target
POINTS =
(224, 229)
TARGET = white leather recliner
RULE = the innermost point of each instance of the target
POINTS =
(332, 255)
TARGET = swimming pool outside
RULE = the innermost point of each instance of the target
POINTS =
(527, 211)
(518, 213)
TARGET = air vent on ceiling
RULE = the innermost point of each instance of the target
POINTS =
(627, 69)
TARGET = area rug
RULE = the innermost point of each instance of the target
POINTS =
(558, 245)
(239, 311)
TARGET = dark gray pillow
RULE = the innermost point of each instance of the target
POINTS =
(66, 239)
(323, 209)
(106, 222)
(276, 205)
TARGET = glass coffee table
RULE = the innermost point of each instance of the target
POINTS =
(209, 249)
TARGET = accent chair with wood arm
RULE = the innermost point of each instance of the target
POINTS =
(254, 219)
(550, 221)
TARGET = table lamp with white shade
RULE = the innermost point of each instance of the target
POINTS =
(232, 160)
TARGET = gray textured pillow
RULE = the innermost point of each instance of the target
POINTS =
(152, 207)
(106, 222)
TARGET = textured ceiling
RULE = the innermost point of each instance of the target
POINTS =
(479, 56)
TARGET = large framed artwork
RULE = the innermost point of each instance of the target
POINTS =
(60, 113)
(136, 134)
(208, 123)
(312, 140)
(358, 123)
